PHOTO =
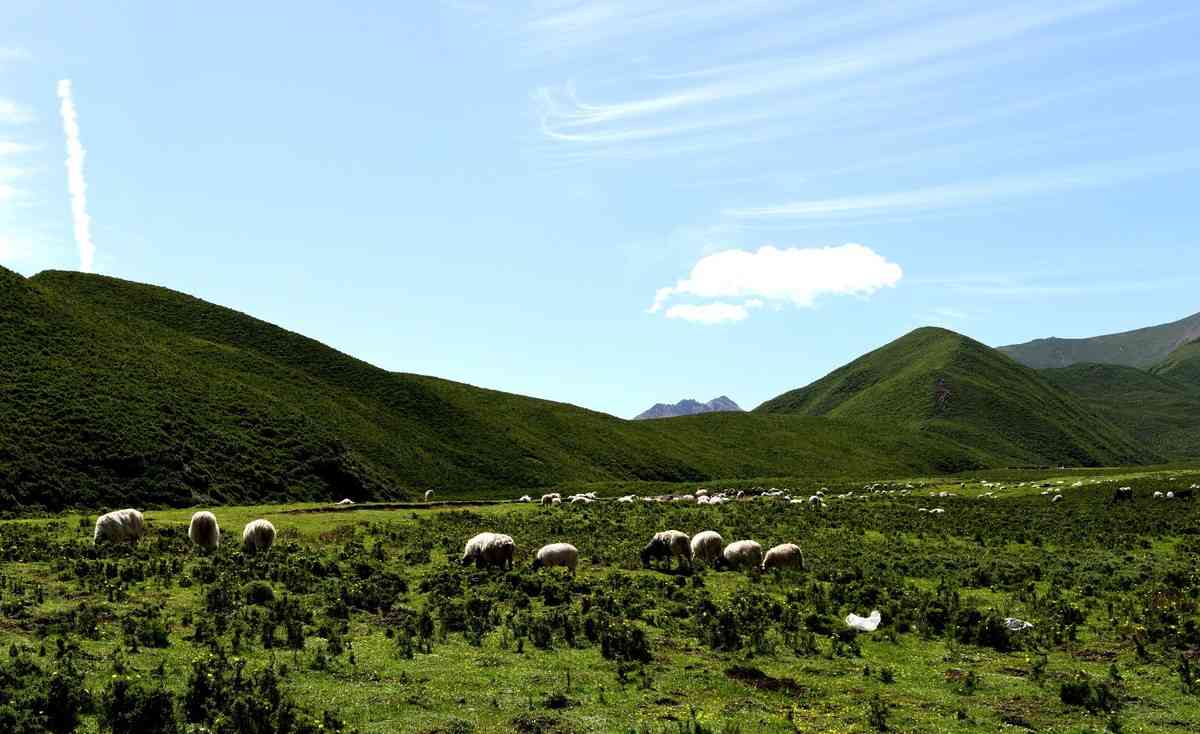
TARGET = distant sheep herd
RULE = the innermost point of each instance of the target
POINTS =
(496, 550)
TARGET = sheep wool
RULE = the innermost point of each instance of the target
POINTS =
(258, 535)
(668, 544)
(119, 525)
(706, 546)
(785, 555)
(557, 554)
(864, 624)
(489, 549)
(743, 554)
(428, 494)
(204, 530)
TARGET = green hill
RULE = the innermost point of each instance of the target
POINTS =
(1182, 365)
(117, 392)
(1161, 413)
(946, 384)
(1138, 348)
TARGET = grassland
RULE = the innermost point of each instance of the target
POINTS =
(1155, 408)
(372, 620)
(120, 392)
(949, 385)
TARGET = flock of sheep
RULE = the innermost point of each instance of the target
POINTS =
(203, 530)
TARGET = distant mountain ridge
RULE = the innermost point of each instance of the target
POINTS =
(688, 406)
(1142, 348)
(114, 393)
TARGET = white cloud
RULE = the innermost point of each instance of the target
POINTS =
(711, 313)
(775, 276)
(75, 180)
(12, 113)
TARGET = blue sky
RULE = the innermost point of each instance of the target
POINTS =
(616, 203)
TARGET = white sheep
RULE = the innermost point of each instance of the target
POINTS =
(346, 501)
(627, 499)
(701, 492)
(684, 498)
(119, 525)
(548, 499)
(743, 554)
(937, 511)
(1158, 495)
(557, 554)
(489, 549)
(864, 624)
(258, 535)
(525, 498)
(1055, 498)
(204, 530)
(785, 555)
(706, 546)
(668, 544)
(555, 501)
(428, 494)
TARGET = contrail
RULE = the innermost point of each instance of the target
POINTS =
(75, 181)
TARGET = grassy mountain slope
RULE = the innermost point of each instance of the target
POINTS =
(1182, 365)
(121, 392)
(1138, 348)
(949, 385)
(1160, 412)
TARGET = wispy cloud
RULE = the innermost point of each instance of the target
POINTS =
(76, 183)
(687, 110)
(12, 113)
(8, 147)
(1058, 285)
(959, 195)
(14, 248)
(711, 314)
(776, 276)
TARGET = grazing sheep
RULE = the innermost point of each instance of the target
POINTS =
(743, 554)
(668, 544)
(816, 501)
(1123, 494)
(119, 525)
(937, 511)
(864, 624)
(428, 494)
(706, 546)
(556, 501)
(627, 499)
(786, 555)
(1056, 498)
(346, 501)
(548, 499)
(204, 530)
(740, 494)
(1170, 495)
(684, 498)
(701, 492)
(489, 549)
(525, 498)
(1158, 495)
(258, 535)
(557, 554)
